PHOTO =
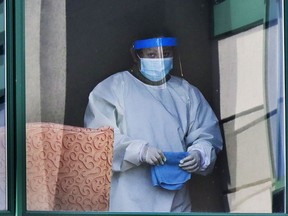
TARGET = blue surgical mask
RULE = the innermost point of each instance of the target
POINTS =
(155, 69)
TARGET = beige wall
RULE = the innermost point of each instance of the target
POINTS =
(45, 26)
(32, 33)
(242, 92)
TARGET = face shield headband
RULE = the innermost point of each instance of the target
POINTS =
(154, 42)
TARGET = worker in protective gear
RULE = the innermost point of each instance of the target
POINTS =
(153, 112)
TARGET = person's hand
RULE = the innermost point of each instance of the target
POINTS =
(153, 156)
(192, 162)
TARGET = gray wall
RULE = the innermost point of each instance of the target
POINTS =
(45, 40)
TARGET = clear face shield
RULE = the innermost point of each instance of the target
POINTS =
(156, 57)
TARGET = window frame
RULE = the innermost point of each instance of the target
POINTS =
(16, 123)
(16, 118)
(10, 109)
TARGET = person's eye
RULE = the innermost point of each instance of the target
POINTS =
(151, 55)
(167, 54)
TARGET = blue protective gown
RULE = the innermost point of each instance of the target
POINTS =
(173, 117)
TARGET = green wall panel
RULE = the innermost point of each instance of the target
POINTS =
(231, 15)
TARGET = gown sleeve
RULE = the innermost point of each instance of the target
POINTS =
(204, 133)
(106, 108)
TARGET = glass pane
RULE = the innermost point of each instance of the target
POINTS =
(252, 109)
(3, 112)
(233, 69)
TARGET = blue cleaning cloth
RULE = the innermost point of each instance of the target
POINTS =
(170, 176)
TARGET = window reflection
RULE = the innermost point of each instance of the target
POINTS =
(252, 110)
(275, 100)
